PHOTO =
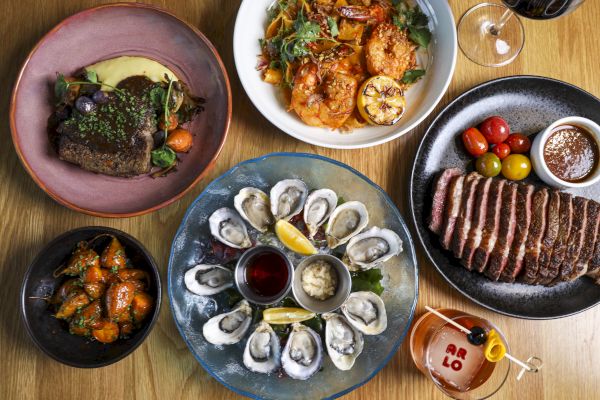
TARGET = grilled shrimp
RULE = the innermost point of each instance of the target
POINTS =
(375, 13)
(389, 51)
(323, 96)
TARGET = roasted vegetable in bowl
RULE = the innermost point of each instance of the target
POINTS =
(106, 297)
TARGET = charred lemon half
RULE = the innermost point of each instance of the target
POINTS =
(381, 100)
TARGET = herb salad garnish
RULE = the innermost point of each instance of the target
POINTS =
(164, 156)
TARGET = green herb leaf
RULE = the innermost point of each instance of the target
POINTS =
(421, 36)
(413, 75)
(369, 280)
(60, 87)
(163, 157)
(333, 27)
(91, 76)
(157, 95)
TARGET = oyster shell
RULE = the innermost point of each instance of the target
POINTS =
(303, 354)
(206, 280)
(319, 206)
(366, 312)
(254, 206)
(344, 343)
(373, 247)
(228, 228)
(287, 198)
(262, 353)
(346, 221)
(230, 327)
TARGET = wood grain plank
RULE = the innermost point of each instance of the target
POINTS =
(162, 367)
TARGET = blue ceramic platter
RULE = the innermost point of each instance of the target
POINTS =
(190, 311)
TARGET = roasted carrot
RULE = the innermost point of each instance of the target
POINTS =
(76, 300)
(118, 298)
(141, 306)
(107, 332)
(113, 257)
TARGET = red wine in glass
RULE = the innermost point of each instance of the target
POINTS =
(542, 9)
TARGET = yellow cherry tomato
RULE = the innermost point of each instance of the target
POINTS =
(516, 167)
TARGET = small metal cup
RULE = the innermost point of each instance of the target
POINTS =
(344, 285)
(240, 276)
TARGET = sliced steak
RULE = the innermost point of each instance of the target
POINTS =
(452, 210)
(508, 223)
(463, 223)
(551, 257)
(477, 222)
(517, 251)
(440, 191)
(537, 229)
(589, 240)
(576, 238)
(491, 227)
(547, 243)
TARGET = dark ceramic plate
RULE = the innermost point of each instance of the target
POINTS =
(529, 104)
(51, 335)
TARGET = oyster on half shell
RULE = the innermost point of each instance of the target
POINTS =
(206, 280)
(319, 206)
(229, 228)
(366, 312)
(287, 198)
(346, 221)
(373, 247)
(229, 327)
(263, 352)
(344, 342)
(303, 354)
(254, 206)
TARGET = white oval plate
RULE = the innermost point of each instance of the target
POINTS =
(421, 98)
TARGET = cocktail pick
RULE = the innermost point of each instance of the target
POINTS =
(533, 364)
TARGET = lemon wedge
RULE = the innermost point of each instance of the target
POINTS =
(293, 239)
(381, 100)
(494, 350)
(286, 315)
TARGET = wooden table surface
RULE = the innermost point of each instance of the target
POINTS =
(163, 368)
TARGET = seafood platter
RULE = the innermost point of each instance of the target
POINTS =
(279, 275)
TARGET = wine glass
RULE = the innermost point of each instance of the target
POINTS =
(492, 35)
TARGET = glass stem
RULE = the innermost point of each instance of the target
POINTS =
(496, 28)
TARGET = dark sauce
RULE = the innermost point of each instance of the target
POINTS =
(542, 9)
(571, 153)
(267, 274)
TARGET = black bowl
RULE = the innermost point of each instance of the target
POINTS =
(52, 335)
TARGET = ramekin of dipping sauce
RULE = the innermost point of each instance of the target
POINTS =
(341, 285)
(566, 154)
(263, 275)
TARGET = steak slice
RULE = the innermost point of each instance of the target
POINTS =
(551, 257)
(463, 223)
(576, 238)
(452, 210)
(589, 240)
(517, 251)
(536, 234)
(506, 234)
(491, 227)
(440, 191)
(594, 264)
(477, 222)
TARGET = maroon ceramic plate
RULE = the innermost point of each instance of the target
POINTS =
(98, 34)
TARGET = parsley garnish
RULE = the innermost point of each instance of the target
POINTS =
(413, 75)
(414, 20)
(333, 27)
(164, 156)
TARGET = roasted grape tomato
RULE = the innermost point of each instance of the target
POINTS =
(488, 165)
(519, 143)
(516, 167)
(502, 150)
(474, 142)
(494, 129)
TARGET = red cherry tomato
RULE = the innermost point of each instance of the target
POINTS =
(502, 150)
(475, 142)
(494, 129)
(518, 143)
